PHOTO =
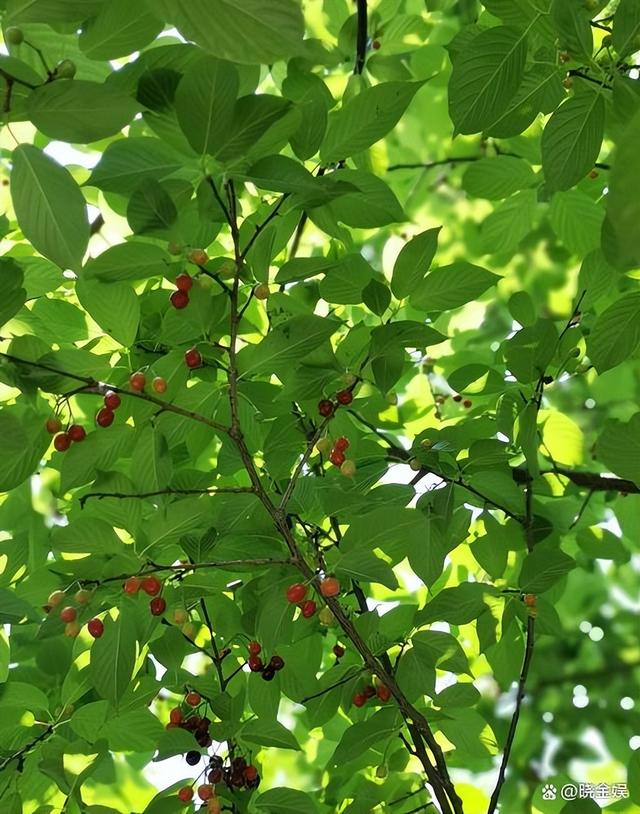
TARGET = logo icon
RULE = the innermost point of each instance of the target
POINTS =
(569, 791)
(549, 792)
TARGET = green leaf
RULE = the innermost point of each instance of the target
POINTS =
(577, 220)
(459, 605)
(619, 447)
(120, 28)
(114, 306)
(128, 261)
(205, 102)
(290, 342)
(366, 118)
(540, 91)
(49, 206)
(127, 163)
(151, 210)
(50, 11)
(286, 801)
(14, 295)
(113, 657)
(268, 733)
(633, 776)
(597, 278)
(150, 461)
(364, 734)
(138, 730)
(486, 77)
(543, 567)
(80, 111)
(13, 609)
(413, 262)
(571, 140)
(626, 28)
(250, 32)
(365, 566)
(509, 223)
(571, 20)
(23, 442)
(615, 335)
(255, 122)
(526, 430)
(452, 286)
(620, 240)
(87, 721)
(498, 177)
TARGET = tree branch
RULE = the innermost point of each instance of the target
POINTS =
(234, 490)
(524, 673)
(261, 226)
(361, 37)
(20, 754)
(94, 386)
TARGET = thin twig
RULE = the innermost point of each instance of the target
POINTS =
(524, 673)
(344, 680)
(234, 490)
(181, 569)
(261, 226)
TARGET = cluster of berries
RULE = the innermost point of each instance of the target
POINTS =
(69, 614)
(381, 692)
(256, 665)
(297, 595)
(235, 773)
(180, 297)
(150, 585)
(194, 723)
(336, 454)
(63, 440)
(327, 408)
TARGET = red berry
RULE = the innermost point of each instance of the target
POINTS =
(62, 442)
(193, 358)
(68, 614)
(184, 282)
(359, 699)
(250, 773)
(255, 648)
(185, 794)
(158, 606)
(151, 586)
(467, 403)
(112, 400)
(95, 627)
(105, 417)
(175, 716)
(53, 425)
(337, 457)
(296, 592)
(137, 381)
(530, 600)
(369, 691)
(344, 397)
(198, 256)
(341, 444)
(383, 692)
(72, 629)
(179, 299)
(255, 664)
(205, 792)
(325, 408)
(276, 662)
(193, 698)
(375, 45)
(338, 651)
(308, 608)
(131, 585)
(159, 384)
(76, 433)
(329, 587)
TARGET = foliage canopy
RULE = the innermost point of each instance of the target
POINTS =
(350, 289)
